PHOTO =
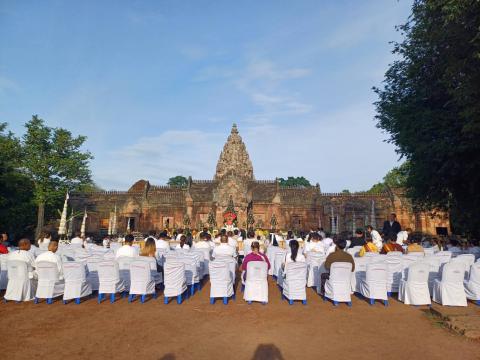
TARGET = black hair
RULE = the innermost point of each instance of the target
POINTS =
(341, 244)
(359, 232)
(251, 234)
(294, 247)
(129, 238)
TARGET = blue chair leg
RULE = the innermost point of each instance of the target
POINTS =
(264, 303)
(249, 302)
(304, 302)
(34, 301)
(385, 302)
(49, 301)
(142, 298)
(290, 302)
(112, 298)
(99, 298)
(233, 296)
(77, 301)
(192, 289)
(124, 294)
(155, 295)
(212, 300)
(65, 302)
(179, 299)
(349, 304)
(372, 301)
(199, 286)
(324, 298)
(335, 303)
(477, 302)
(165, 300)
(243, 288)
(225, 300)
(131, 298)
(389, 294)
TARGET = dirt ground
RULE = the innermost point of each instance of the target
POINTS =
(198, 330)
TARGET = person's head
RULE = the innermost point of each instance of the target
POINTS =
(24, 244)
(359, 233)
(209, 237)
(180, 231)
(393, 217)
(203, 236)
(163, 235)
(453, 242)
(369, 228)
(290, 234)
(129, 239)
(224, 239)
(183, 241)
(150, 248)
(77, 234)
(235, 232)
(341, 244)
(409, 230)
(223, 232)
(229, 234)
(3, 236)
(392, 238)
(47, 235)
(315, 237)
(53, 245)
(294, 249)
(251, 234)
(255, 247)
(205, 230)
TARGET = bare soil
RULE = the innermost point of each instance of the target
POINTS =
(197, 330)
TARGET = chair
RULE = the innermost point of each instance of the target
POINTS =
(205, 260)
(141, 281)
(359, 273)
(3, 271)
(92, 267)
(394, 271)
(256, 285)
(124, 270)
(472, 285)
(200, 258)
(19, 287)
(468, 260)
(221, 281)
(76, 284)
(338, 285)
(416, 254)
(191, 271)
(277, 263)
(160, 256)
(449, 290)
(232, 265)
(109, 280)
(414, 289)
(444, 256)
(48, 286)
(315, 264)
(175, 280)
(271, 251)
(294, 285)
(374, 286)
(429, 251)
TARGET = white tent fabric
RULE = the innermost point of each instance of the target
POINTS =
(472, 285)
(316, 267)
(109, 278)
(338, 286)
(414, 289)
(221, 282)
(374, 286)
(3, 271)
(256, 285)
(124, 269)
(295, 282)
(19, 287)
(175, 280)
(49, 285)
(449, 290)
(76, 284)
(141, 281)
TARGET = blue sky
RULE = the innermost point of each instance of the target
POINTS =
(156, 85)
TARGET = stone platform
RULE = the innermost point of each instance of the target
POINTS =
(463, 320)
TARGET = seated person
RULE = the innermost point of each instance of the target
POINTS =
(415, 246)
(293, 255)
(391, 245)
(454, 246)
(3, 243)
(339, 255)
(328, 245)
(204, 242)
(315, 244)
(247, 243)
(23, 254)
(162, 242)
(148, 254)
(255, 255)
(183, 243)
(127, 250)
(368, 247)
(224, 249)
(77, 239)
(232, 240)
(402, 236)
(358, 239)
(44, 240)
(52, 256)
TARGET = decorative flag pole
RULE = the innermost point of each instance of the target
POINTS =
(110, 224)
(128, 225)
(84, 221)
(372, 216)
(353, 223)
(62, 229)
(114, 221)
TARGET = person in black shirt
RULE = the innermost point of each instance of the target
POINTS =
(358, 239)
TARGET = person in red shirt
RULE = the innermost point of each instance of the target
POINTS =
(391, 245)
(3, 238)
(255, 255)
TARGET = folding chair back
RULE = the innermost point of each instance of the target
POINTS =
(19, 287)
(47, 277)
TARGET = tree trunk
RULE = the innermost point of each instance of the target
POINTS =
(40, 220)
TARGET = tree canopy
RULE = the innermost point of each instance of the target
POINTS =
(179, 181)
(430, 107)
(294, 181)
(395, 178)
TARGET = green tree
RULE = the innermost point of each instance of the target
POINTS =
(430, 107)
(179, 181)
(53, 159)
(395, 178)
(294, 181)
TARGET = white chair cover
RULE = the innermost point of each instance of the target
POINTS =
(429, 251)
(279, 257)
(394, 270)
(256, 285)
(295, 282)
(450, 290)
(19, 287)
(200, 258)
(271, 251)
(124, 269)
(175, 280)
(316, 267)
(467, 260)
(221, 281)
(338, 286)
(191, 268)
(414, 290)
(472, 285)
(92, 266)
(232, 265)
(359, 272)
(109, 278)
(3, 271)
(141, 281)
(444, 256)
(375, 284)
(76, 284)
(206, 259)
(48, 286)
(152, 262)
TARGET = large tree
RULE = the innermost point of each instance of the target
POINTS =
(55, 162)
(395, 178)
(430, 107)
(179, 180)
(294, 181)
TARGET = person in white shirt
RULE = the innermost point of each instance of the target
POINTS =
(247, 243)
(23, 254)
(179, 235)
(106, 242)
(293, 255)
(327, 245)
(52, 256)
(224, 249)
(314, 244)
(376, 237)
(402, 236)
(162, 242)
(44, 241)
(204, 242)
(232, 241)
(183, 243)
(127, 250)
(77, 239)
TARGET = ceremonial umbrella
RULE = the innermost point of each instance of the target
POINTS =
(62, 229)
(82, 228)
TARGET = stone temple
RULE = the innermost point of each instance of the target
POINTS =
(235, 196)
